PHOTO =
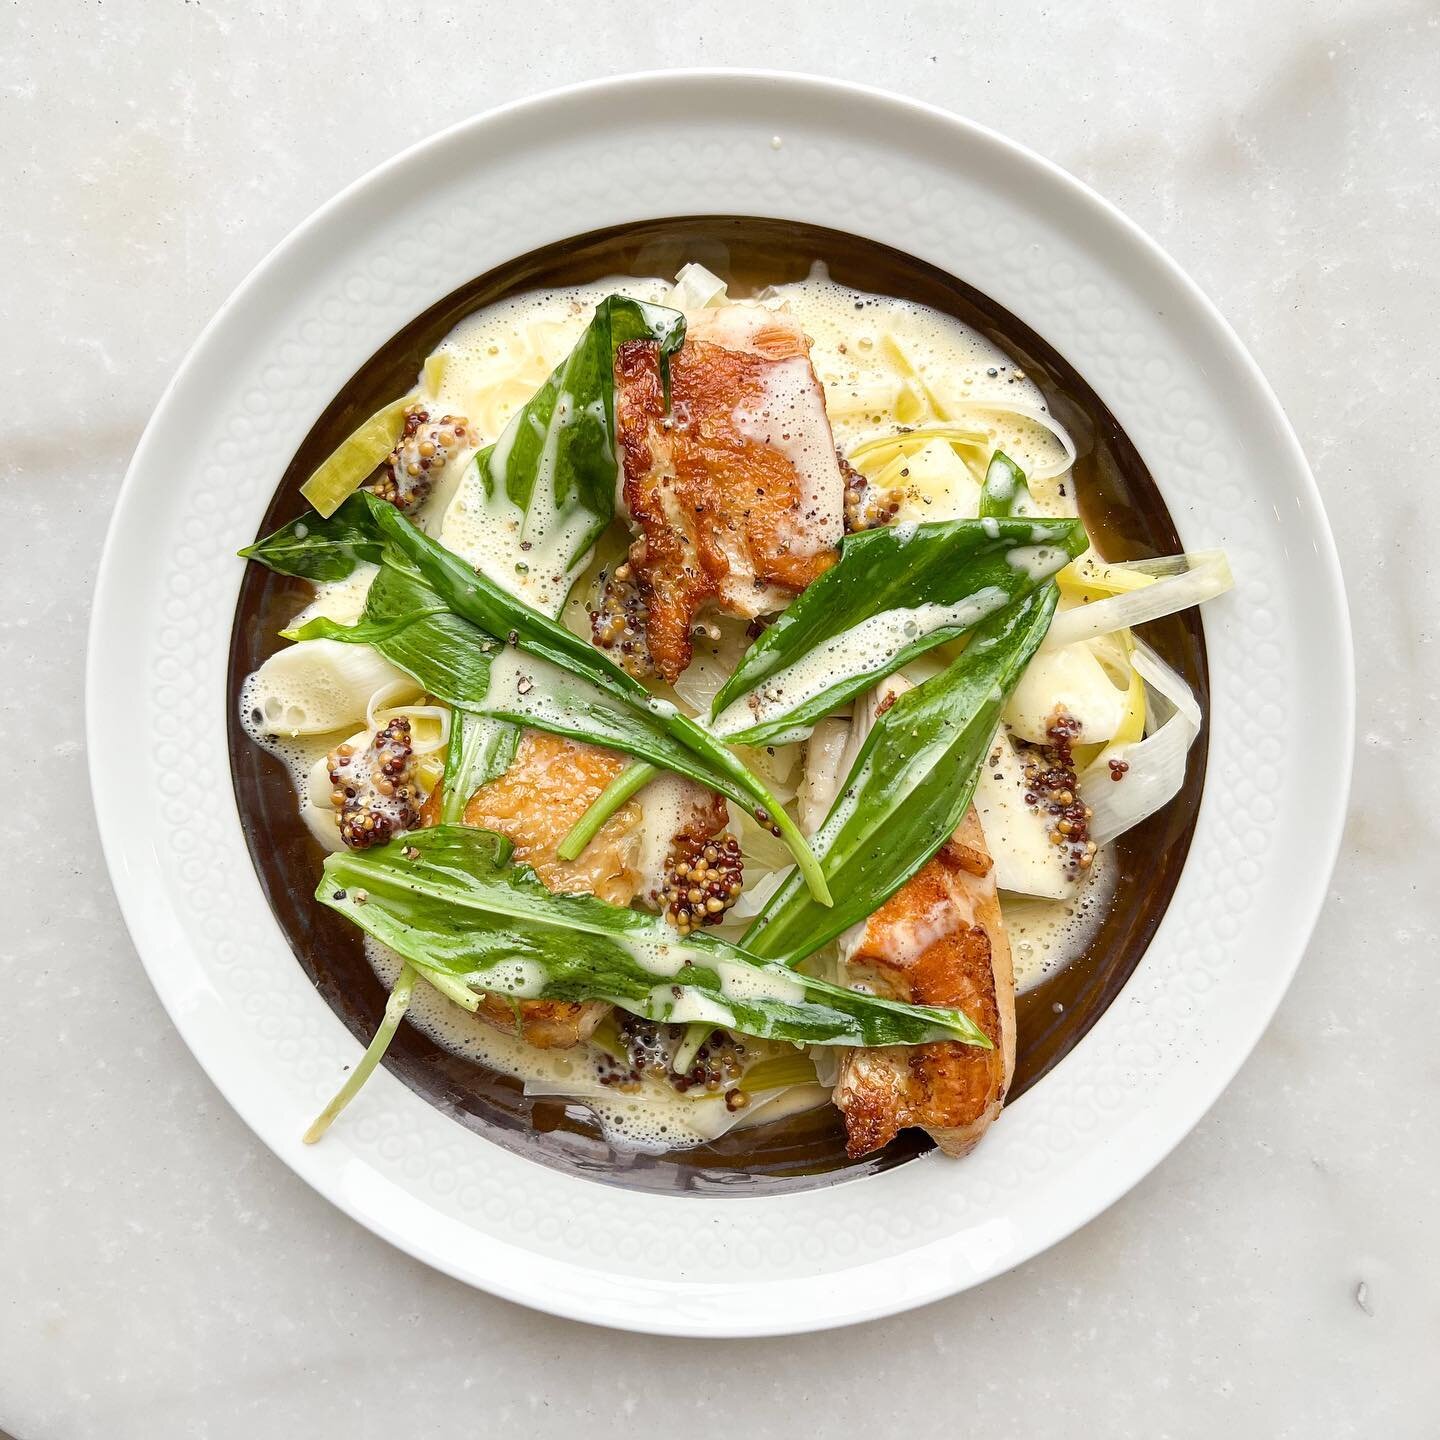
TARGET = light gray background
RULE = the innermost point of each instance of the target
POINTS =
(162, 1275)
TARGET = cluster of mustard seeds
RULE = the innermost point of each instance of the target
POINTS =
(703, 879)
(424, 449)
(649, 1051)
(375, 792)
(866, 508)
(619, 621)
(1052, 787)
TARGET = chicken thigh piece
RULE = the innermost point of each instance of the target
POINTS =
(736, 493)
(939, 940)
(535, 803)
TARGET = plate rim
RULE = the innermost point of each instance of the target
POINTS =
(1315, 877)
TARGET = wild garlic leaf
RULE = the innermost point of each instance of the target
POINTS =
(320, 550)
(910, 786)
(478, 599)
(451, 653)
(895, 593)
(408, 623)
(1004, 489)
(449, 902)
(557, 456)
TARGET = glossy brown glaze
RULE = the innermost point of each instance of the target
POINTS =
(1121, 507)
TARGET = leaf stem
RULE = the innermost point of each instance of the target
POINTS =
(395, 1008)
(630, 780)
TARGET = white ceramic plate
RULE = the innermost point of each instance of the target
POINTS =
(950, 193)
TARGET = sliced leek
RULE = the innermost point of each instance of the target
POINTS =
(348, 466)
(1180, 581)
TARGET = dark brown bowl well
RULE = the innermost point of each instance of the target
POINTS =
(1123, 510)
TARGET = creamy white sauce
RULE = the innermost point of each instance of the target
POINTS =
(1039, 562)
(656, 1119)
(744, 982)
(1046, 935)
(862, 346)
(342, 601)
(316, 687)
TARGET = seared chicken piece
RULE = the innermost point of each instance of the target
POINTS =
(535, 803)
(737, 494)
(939, 940)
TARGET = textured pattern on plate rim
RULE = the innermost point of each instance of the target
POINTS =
(410, 235)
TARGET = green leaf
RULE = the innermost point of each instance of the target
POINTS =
(405, 620)
(910, 785)
(481, 749)
(1004, 486)
(895, 593)
(320, 550)
(447, 900)
(559, 453)
(630, 781)
(395, 1008)
(530, 691)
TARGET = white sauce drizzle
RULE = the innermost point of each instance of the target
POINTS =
(790, 419)
(863, 649)
(1046, 935)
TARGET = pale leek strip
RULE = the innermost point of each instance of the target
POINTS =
(696, 1034)
(957, 410)
(1155, 764)
(433, 372)
(606, 1037)
(756, 895)
(695, 288)
(395, 1008)
(778, 1072)
(423, 739)
(1206, 576)
(634, 777)
(345, 469)
(1004, 486)
(454, 990)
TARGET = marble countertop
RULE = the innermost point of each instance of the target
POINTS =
(161, 1274)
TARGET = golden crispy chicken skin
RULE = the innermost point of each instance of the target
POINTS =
(737, 493)
(939, 940)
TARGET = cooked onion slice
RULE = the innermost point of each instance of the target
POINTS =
(1155, 766)
(1180, 582)
(695, 288)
